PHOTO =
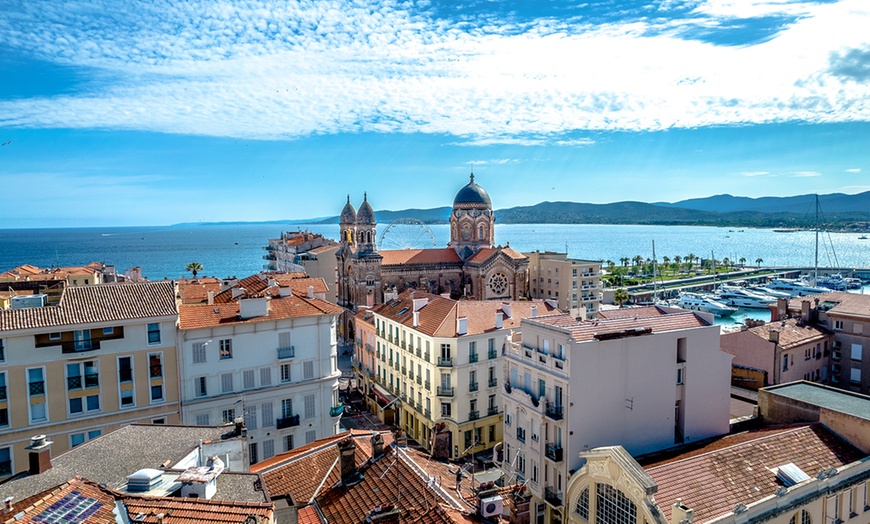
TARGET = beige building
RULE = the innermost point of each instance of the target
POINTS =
(437, 363)
(104, 357)
(303, 251)
(574, 284)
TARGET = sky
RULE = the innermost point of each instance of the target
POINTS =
(159, 112)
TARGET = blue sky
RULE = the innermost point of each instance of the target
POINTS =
(152, 113)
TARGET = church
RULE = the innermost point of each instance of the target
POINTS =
(471, 266)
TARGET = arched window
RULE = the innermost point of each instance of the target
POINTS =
(582, 506)
(804, 518)
(613, 507)
(480, 232)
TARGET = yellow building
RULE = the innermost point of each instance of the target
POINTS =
(574, 284)
(105, 356)
(437, 364)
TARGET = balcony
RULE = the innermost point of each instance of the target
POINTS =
(287, 422)
(354, 364)
(74, 382)
(491, 411)
(492, 354)
(472, 387)
(419, 352)
(473, 415)
(404, 370)
(426, 357)
(411, 403)
(404, 346)
(92, 380)
(334, 411)
(390, 362)
(411, 375)
(493, 382)
(37, 388)
(552, 496)
(419, 380)
(285, 353)
(472, 358)
(445, 362)
(428, 385)
(554, 412)
(553, 452)
(445, 391)
(75, 346)
(427, 413)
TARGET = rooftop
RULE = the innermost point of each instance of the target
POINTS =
(97, 304)
(588, 330)
(836, 302)
(847, 402)
(398, 257)
(193, 316)
(792, 332)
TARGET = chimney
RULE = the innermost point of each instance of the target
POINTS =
(682, 514)
(419, 303)
(462, 326)
(40, 454)
(240, 430)
(7, 505)
(272, 282)
(239, 291)
(416, 318)
(805, 310)
(377, 445)
(506, 308)
(534, 311)
(253, 307)
(310, 292)
(285, 291)
(781, 309)
(499, 320)
(773, 336)
(346, 449)
(211, 298)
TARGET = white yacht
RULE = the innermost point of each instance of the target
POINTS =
(697, 302)
(742, 297)
(771, 292)
(795, 287)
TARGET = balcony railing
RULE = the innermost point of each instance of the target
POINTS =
(427, 412)
(156, 370)
(74, 382)
(404, 370)
(125, 375)
(552, 496)
(404, 346)
(473, 415)
(472, 358)
(492, 411)
(411, 403)
(288, 352)
(554, 412)
(287, 422)
(335, 411)
(419, 352)
(445, 362)
(428, 385)
(2, 392)
(493, 382)
(554, 452)
(92, 380)
(492, 354)
(472, 387)
(445, 391)
(37, 388)
(73, 346)
(419, 380)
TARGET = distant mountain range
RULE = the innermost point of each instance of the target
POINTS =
(838, 211)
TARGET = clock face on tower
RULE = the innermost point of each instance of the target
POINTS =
(498, 284)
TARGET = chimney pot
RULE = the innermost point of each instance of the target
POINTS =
(211, 298)
(310, 292)
(499, 320)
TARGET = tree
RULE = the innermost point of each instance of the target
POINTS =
(758, 261)
(726, 262)
(690, 258)
(620, 296)
(194, 267)
(742, 262)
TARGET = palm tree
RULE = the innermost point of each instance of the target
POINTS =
(690, 258)
(666, 261)
(638, 261)
(194, 267)
(624, 261)
(742, 262)
(758, 261)
(726, 262)
(620, 296)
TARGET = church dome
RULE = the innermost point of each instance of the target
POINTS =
(348, 215)
(366, 215)
(472, 194)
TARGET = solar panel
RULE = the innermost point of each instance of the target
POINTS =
(72, 508)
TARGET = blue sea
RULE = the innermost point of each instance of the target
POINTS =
(237, 249)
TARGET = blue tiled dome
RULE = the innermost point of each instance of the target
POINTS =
(471, 194)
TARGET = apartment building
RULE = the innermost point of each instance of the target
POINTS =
(268, 357)
(436, 362)
(105, 356)
(647, 381)
(847, 317)
(574, 284)
(303, 251)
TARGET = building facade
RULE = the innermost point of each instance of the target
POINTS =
(105, 356)
(471, 265)
(270, 359)
(303, 251)
(433, 365)
(574, 284)
(646, 381)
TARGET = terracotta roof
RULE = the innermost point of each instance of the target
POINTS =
(29, 272)
(713, 483)
(96, 304)
(308, 515)
(625, 312)
(75, 501)
(838, 302)
(438, 317)
(197, 292)
(791, 332)
(193, 316)
(396, 257)
(323, 249)
(588, 329)
(257, 285)
(176, 510)
(487, 252)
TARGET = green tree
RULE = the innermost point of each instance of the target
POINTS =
(194, 267)
(758, 261)
(620, 296)
(742, 262)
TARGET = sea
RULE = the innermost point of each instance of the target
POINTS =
(236, 250)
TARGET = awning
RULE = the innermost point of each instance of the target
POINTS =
(384, 397)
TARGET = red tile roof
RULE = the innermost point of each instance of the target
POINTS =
(792, 332)
(176, 510)
(193, 316)
(396, 257)
(258, 285)
(713, 482)
(626, 312)
(838, 302)
(49, 504)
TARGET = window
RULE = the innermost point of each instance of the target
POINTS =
(265, 377)
(201, 384)
(156, 392)
(801, 518)
(36, 394)
(108, 331)
(54, 336)
(226, 383)
(855, 375)
(285, 373)
(680, 375)
(613, 507)
(252, 452)
(838, 325)
(308, 370)
(2, 351)
(153, 333)
(309, 406)
(127, 399)
(251, 416)
(155, 363)
(310, 436)
(445, 409)
(286, 408)
(582, 506)
(80, 438)
(288, 442)
(202, 419)
(199, 352)
(857, 351)
(228, 415)
(248, 379)
(125, 369)
(4, 412)
(785, 362)
(5, 461)
(266, 415)
(268, 449)
(226, 348)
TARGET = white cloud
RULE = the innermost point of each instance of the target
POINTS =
(276, 70)
(804, 174)
(754, 173)
(854, 170)
(494, 161)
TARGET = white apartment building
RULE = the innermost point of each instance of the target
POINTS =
(270, 359)
(574, 284)
(648, 381)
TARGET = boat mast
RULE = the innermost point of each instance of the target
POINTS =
(816, 263)
(655, 281)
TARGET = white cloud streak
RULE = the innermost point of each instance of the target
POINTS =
(854, 170)
(806, 174)
(278, 70)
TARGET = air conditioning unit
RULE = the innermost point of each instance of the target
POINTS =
(491, 506)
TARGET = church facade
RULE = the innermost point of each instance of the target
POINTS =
(471, 266)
